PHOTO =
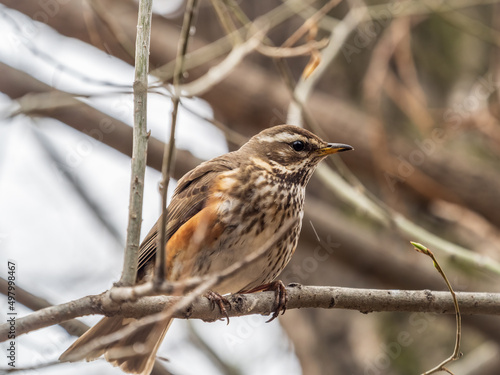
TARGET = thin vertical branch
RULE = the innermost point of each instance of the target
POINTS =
(168, 152)
(140, 142)
(456, 351)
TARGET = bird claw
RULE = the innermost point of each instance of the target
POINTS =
(281, 298)
(216, 298)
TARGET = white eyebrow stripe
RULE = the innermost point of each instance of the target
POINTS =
(281, 137)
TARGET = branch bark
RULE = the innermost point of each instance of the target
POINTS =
(35, 303)
(73, 327)
(363, 300)
(168, 152)
(139, 150)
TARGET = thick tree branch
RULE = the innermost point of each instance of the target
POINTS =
(363, 300)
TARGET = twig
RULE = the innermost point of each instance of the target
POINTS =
(456, 351)
(35, 303)
(363, 300)
(114, 27)
(140, 142)
(326, 22)
(231, 136)
(397, 9)
(218, 48)
(313, 20)
(339, 36)
(73, 327)
(301, 50)
(459, 254)
(222, 70)
(352, 196)
(168, 151)
(480, 360)
(227, 23)
(281, 65)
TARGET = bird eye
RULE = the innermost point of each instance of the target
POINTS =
(298, 145)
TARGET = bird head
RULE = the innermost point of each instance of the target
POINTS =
(290, 152)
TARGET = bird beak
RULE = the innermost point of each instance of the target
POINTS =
(333, 148)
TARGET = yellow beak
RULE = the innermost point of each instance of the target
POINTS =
(333, 148)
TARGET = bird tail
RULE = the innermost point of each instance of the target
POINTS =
(134, 353)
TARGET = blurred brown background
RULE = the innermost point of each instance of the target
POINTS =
(415, 90)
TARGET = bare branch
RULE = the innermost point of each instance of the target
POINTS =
(304, 49)
(313, 20)
(168, 152)
(218, 48)
(456, 351)
(73, 327)
(222, 70)
(363, 300)
(226, 22)
(140, 142)
(397, 10)
(339, 35)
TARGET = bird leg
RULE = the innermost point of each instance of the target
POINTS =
(281, 296)
(216, 298)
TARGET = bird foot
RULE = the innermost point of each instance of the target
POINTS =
(281, 296)
(216, 299)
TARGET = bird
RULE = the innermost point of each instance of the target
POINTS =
(220, 212)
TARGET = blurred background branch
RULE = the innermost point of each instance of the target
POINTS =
(413, 87)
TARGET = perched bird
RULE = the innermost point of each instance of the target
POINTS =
(220, 212)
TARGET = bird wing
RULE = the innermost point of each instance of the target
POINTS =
(190, 196)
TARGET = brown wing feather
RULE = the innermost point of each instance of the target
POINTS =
(189, 198)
